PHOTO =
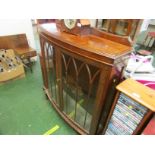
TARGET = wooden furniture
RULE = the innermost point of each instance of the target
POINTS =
(132, 109)
(20, 46)
(79, 74)
(123, 27)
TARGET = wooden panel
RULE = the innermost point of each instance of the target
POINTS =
(138, 92)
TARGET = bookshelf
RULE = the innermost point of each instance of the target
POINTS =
(133, 107)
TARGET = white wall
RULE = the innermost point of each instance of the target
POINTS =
(152, 21)
(17, 26)
(93, 22)
(145, 24)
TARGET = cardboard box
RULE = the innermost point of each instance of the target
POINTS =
(10, 73)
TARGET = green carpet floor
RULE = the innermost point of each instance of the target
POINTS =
(24, 109)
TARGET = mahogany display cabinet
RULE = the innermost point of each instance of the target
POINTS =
(79, 74)
(132, 109)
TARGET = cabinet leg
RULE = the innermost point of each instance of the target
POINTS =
(46, 96)
(45, 92)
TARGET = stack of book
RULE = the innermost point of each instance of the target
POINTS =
(126, 116)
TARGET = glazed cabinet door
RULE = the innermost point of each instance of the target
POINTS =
(48, 61)
(82, 86)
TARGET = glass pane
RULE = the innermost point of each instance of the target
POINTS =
(122, 27)
(134, 27)
(50, 65)
(80, 84)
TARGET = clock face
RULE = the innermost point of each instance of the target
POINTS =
(70, 23)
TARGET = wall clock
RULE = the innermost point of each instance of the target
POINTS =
(74, 26)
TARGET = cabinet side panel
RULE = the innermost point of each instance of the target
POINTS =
(101, 95)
